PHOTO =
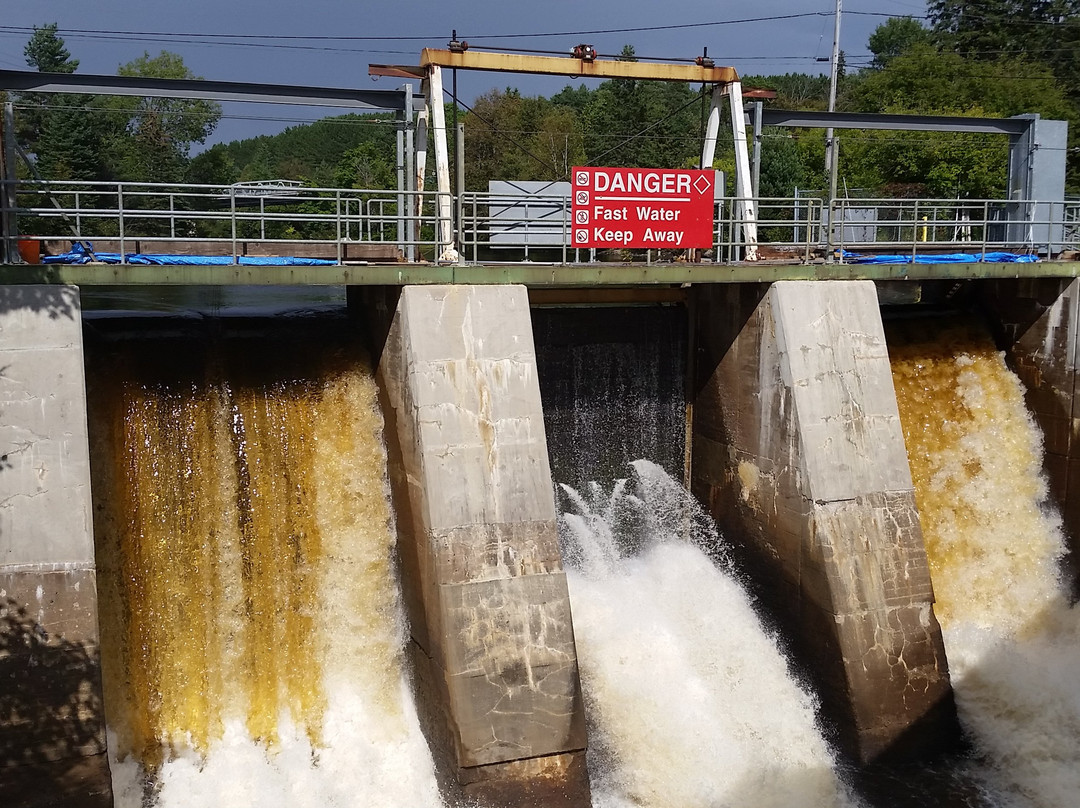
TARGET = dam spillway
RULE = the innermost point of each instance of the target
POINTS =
(234, 401)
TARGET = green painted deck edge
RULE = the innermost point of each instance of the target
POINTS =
(540, 275)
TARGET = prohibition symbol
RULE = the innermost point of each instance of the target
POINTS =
(582, 217)
(581, 236)
(582, 178)
(582, 197)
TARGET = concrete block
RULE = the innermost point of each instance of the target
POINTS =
(803, 462)
(512, 674)
(45, 515)
(487, 598)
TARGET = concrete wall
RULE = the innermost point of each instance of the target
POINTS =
(799, 456)
(1038, 322)
(482, 576)
(52, 744)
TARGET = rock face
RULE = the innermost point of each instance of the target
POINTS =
(52, 739)
(799, 456)
(493, 641)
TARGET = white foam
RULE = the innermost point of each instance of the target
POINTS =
(690, 702)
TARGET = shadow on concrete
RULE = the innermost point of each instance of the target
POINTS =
(48, 296)
(52, 740)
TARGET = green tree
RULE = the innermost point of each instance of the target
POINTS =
(1044, 31)
(46, 53)
(895, 36)
(159, 132)
(512, 137)
(366, 166)
(63, 131)
(924, 80)
(649, 124)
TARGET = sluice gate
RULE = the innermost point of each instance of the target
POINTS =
(791, 441)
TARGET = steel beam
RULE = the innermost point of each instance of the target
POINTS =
(810, 119)
(29, 81)
(569, 66)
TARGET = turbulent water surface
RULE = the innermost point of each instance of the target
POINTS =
(1012, 639)
(690, 703)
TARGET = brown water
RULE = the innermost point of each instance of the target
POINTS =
(251, 628)
(994, 547)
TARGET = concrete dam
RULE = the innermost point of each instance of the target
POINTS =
(769, 544)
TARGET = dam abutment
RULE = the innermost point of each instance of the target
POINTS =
(798, 455)
(492, 638)
(52, 723)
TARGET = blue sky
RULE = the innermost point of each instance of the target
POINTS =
(771, 46)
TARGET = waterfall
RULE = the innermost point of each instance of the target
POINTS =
(251, 629)
(689, 700)
(1012, 639)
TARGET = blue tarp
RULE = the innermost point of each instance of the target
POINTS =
(951, 258)
(80, 254)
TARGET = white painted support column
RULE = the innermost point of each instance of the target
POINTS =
(443, 204)
(417, 204)
(745, 204)
(712, 128)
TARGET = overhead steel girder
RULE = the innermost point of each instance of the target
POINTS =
(30, 81)
(919, 123)
(567, 66)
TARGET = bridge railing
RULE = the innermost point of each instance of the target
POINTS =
(332, 223)
(353, 225)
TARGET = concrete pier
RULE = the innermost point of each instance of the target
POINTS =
(52, 740)
(799, 456)
(493, 642)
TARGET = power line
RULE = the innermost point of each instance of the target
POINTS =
(352, 38)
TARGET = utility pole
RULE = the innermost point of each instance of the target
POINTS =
(831, 151)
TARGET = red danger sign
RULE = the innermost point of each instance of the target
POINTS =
(642, 208)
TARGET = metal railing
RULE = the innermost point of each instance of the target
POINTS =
(228, 221)
(329, 222)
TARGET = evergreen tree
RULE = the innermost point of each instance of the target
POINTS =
(62, 130)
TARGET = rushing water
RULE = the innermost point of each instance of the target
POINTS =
(1012, 639)
(690, 702)
(251, 630)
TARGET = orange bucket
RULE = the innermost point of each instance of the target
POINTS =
(30, 251)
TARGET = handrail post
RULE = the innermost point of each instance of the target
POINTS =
(337, 205)
(914, 230)
(120, 211)
(232, 219)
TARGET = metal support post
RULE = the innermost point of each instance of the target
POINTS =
(10, 219)
(402, 130)
(459, 177)
(443, 209)
(757, 150)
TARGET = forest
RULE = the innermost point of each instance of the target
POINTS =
(991, 58)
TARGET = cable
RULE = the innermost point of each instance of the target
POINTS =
(337, 38)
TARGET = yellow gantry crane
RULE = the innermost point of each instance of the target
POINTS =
(582, 62)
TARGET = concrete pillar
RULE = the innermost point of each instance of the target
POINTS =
(52, 741)
(1038, 322)
(493, 641)
(799, 456)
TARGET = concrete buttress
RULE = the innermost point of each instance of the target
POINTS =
(52, 738)
(492, 636)
(799, 455)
